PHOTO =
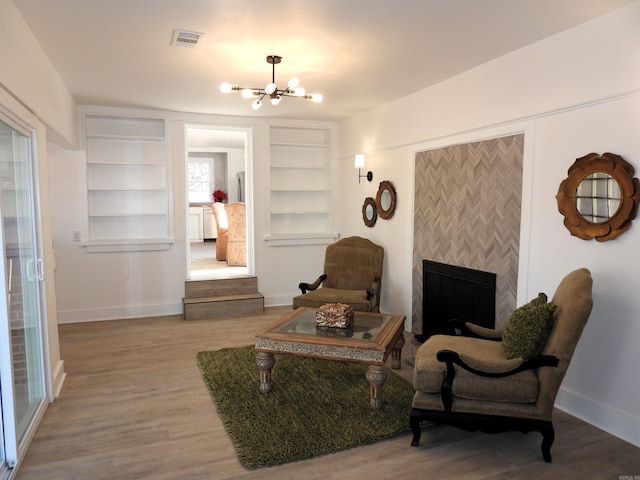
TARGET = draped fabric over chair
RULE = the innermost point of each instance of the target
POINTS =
(237, 237)
(352, 275)
(475, 382)
(222, 227)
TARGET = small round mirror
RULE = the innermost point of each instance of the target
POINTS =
(369, 212)
(386, 200)
(598, 197)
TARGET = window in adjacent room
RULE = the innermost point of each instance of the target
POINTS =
(199, 181)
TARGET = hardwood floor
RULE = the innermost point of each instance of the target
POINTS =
(134, 407)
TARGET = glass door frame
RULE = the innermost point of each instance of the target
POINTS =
(14, 448)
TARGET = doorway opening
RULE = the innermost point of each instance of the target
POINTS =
(216, 162)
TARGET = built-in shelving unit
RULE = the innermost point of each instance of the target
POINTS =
(127, 183)
(300, 197)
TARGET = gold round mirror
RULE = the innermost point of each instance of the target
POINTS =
(369, 212)
(599, 197)
(386, 200)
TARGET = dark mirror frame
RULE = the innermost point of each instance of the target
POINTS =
(386, 186)
(369, 222)
(622, 172)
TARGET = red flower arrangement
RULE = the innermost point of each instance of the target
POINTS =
(219, 196)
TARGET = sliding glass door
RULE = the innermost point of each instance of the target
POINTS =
(21, 350)
(4, 469)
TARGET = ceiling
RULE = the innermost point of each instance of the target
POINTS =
(357, 53)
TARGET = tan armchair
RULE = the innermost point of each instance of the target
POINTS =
(352, 275)
(471, 383)
(222, 227)
(237, 243)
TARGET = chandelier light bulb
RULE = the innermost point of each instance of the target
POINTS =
(270, 88)
(275, 100)
(299, 92)
(256, 104)
(315, 97)
(293, 83)
(247, 93)
(226, 88)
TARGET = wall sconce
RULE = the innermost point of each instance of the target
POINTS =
(360, 164)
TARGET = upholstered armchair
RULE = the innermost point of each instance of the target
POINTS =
(352, 275)
(237, 243)
(222, 227)
(501, 380)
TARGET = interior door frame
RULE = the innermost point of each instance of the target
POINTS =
(248, 168)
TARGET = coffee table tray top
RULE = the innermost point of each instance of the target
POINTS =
(369, 340)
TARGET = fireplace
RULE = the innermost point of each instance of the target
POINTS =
(450, 292)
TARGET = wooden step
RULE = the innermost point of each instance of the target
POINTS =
(219, 287)
(227, 297)
(223, 306)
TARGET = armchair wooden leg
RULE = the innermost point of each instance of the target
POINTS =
(414, 421)
(548, 435)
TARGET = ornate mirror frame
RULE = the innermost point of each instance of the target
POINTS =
(620, 221)
(385, 190)
(369, 212)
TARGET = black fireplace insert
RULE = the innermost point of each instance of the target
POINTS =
(449, 291)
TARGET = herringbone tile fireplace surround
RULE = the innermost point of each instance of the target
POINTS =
(467, 213)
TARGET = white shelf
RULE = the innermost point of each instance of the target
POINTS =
(317, 238)
(128, 164)
(129, 245)
(126, 189)
(131, 214)
(300, 190)
(302, 145)
(299, 167)
(300, 212)
(127, 178)
(300, 186)
(134, 138)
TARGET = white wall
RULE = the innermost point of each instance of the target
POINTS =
(28, 74)
(572, 94)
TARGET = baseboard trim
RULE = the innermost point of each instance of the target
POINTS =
(116, 313)
(57, 379)
(615, 422)
(278, 301)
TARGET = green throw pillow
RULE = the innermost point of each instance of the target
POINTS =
(528, 328)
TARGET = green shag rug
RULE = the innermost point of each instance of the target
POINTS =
(315, 406)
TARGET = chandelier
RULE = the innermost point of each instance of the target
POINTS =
(271, 90)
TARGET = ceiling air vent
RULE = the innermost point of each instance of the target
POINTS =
(184, 38)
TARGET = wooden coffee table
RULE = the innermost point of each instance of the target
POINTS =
(370, 340)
